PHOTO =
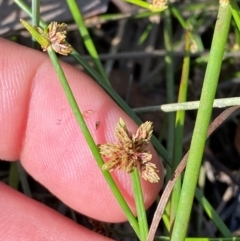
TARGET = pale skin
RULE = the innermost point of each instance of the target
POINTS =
(37, 126)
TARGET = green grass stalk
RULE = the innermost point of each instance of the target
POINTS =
(35, 18)
(139, 201)
(212, 214)
(27, 10)
(13, 178)
(235, 12)
(178, 16)
(24, 180)
(78, 18)
(169, 75)
(169, 80)
(202, 122)
(179, 126)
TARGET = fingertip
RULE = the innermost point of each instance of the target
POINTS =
(18, 65)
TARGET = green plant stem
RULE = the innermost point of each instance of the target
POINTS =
(77, 15)
(202, 122)
(35, 12)
(212, 214)
(26, 9)
(166, 221)
(145, 34)
(13, 179)
(90, 141)
(167, 32)
(24, 180)
(35, 18)
(235, 12)
(169, 80)
(141, 212)
(179, 126)
(178, 16)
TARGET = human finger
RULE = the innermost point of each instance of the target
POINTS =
(39, 127)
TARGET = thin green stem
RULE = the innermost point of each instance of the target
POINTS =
(202, 122)
(24, 180)
(77, 15)
(141, 212)
(235, 12)
(169, 79)
(35, 18)
(26, 9)
(35, 12)
(212, 214)
(167, 32)
(179, 126)
(90, 141)
(178, 16)
(13, 179)
(145, 34)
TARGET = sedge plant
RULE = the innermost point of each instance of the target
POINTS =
(216, 53)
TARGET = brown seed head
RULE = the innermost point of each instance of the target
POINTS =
(57, 36)
(130, 151)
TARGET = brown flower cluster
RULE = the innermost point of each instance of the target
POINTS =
(159, 3)
(57, 36)
(130, 152)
